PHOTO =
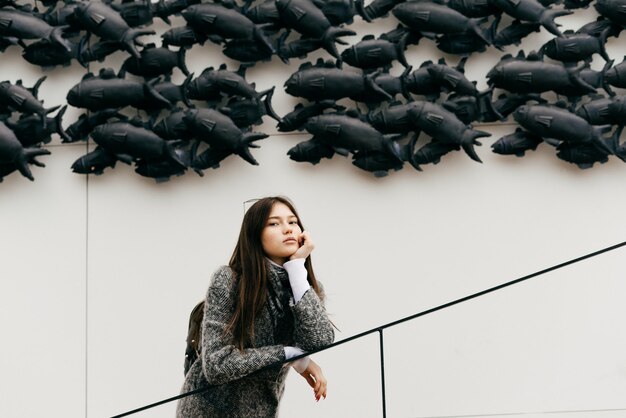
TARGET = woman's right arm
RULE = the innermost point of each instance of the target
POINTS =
(222, 361)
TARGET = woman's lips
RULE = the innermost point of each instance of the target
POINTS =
(290, 240)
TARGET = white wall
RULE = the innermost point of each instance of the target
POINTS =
(99, 274)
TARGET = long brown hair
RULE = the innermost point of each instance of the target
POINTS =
(249, 265)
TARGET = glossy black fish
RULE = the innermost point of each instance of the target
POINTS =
(296, 119)
(173, 126)
(604, 111)
(519, 75)
(504, 105)
(247, 50)
(443, 125)
(22, 25)
(183, 36)
(81, 128)
(213, 84)
(210, 158)
(219, 131)
(325, 81)
(616, 76)
(18, 98)
(375, 53)
(426, 16)
(346, 134)
(514, 33)
(215, 19)
(166, 8)
(154, 62)
(306, 18)
(555, 123)
(247, 112)
(30, 131)
(516, 143)
(474, 8)
(132, 139)
(100, 19)
(583, 155)
(107, 91)
(14, 155)
(94, 162)
(431, 153)
(98, 51)
(576, 47)
(376, 9)
(162, 169)
(534, 12)
(466, 108)
(47, 54)
(311, 151)
(135, 13)
(612, 10)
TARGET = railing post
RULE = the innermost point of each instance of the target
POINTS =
(382, 370)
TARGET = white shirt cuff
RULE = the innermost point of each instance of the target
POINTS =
(299, 365)
(297, 278)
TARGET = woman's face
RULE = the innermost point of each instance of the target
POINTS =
(280, 235)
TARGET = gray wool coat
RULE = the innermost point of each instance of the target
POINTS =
(234, 394)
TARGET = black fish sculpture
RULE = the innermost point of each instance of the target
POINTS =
(7, 41)
(311, 151)
(212, 84)
(94, 162)
(132, 141)
(296, 119)
(338, 12)
(248, 112)
(324, 81)
(153, 62)
(517, 143)
(18, 98)
(250, 51)
(604, 111)
(612, 10)
(373, 53)
(466, 108)
(376, 9)
(173, 93)
(307, 19)
(22, 25)
(433, 18)
(209, 158)
(514, 33)
(573, 47)
(48, 55)
(166, 8)
(30, 131)
(591, 77)
(598, 26)
(444, 127)
(220, 132)
(582, 155)
(134, 12)
(378, 163)
(431, 79)
(162, 169)
(97, 51)
(13, 156)
(532, 11)
(107, 91)
(616, 76)
(81, 128)
(555, 125)
(532, 75)
(347, 134)
(474, 8)
(394, 118)
(224, 23)
(183, 36)
(173, 126)
(431, 153)
(103, 21)
(504, 105)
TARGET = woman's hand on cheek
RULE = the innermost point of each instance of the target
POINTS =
(306, 246)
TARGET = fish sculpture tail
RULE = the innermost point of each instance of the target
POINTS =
(330, 37)
(243, 150)
(603, 144)
(604, 82)
(400, 48)
(259, 35)
(547, 20)
(170, 150)
(29, 154)
(58, 120)
(45, 112)
(469, 140)
(475, 26)
(181, 61)
(267, 104)
(150, 91)
(130, 40)
(57, 36)
(370, 82)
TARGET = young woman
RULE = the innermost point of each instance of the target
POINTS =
(264, 307)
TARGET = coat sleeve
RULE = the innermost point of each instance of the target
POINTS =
(313, 329)
(222, 361)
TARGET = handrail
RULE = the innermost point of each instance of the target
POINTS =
(380, 328)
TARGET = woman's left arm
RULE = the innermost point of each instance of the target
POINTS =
(313, 329)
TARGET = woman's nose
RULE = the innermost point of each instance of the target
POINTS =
(288, 228)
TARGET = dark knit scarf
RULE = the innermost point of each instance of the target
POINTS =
(279, 298)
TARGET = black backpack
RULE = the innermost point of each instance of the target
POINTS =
(194, 336)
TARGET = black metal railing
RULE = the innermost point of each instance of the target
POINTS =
(381, 328)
